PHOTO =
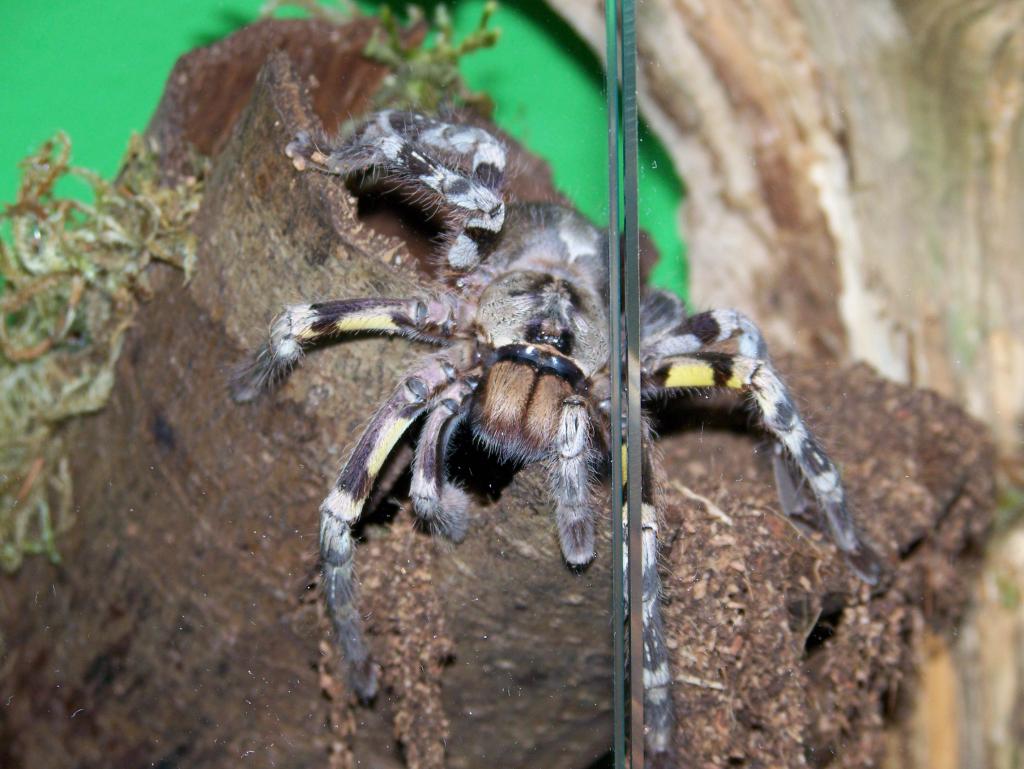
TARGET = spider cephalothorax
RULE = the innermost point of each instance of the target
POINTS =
(523, 338)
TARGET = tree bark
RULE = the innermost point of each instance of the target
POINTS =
(852, 173)
(184, 627)
(853, 176)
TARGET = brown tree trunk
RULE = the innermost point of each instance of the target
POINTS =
(183, 628)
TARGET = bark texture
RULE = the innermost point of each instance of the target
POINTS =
(853, 176)
(185, 628)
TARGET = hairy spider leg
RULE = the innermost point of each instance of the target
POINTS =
(721, 325)
(667, 330)
(780, 417)
(342, 507)
(456, 147)
(671, 333)
(571, 469)
(403, 146)
(485, 155)
(300, 326)
(438, 501)
(659, 709)
(790, 486)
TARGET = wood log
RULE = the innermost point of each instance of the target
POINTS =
(184, 627)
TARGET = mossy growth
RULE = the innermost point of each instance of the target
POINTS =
(425, 75)
(73, 276)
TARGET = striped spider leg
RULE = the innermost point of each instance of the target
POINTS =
(438, 501)
(432, 386)
(458, 169)
(659, 710)
(668, 330)
(418, 393)
(771, 400)
(301, 326)
(674, 358)
(571, 467)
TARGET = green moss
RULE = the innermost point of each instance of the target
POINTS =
(425, 77)
(73, 277)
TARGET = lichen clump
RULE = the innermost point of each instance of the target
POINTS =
(426, 78)
(73, 275)
(424, 75)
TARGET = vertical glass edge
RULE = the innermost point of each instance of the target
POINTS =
(615, 388)
(634, 432)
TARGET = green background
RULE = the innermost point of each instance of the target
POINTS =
(96, 69)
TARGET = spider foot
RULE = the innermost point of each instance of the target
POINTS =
(452, 519)
(660, 759)
(247, 383)
(866, 563)
(261, 373)
(445, 515)
(363, 678)
(303, 152)
(576, 536)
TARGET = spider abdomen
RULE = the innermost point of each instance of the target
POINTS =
(517, 409)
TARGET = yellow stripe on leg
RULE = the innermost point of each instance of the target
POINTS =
(690, 374)
(385, 444)
(698, 373)
(376, 321)
(369, 322)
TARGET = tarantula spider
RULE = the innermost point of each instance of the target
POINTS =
(523, 337)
